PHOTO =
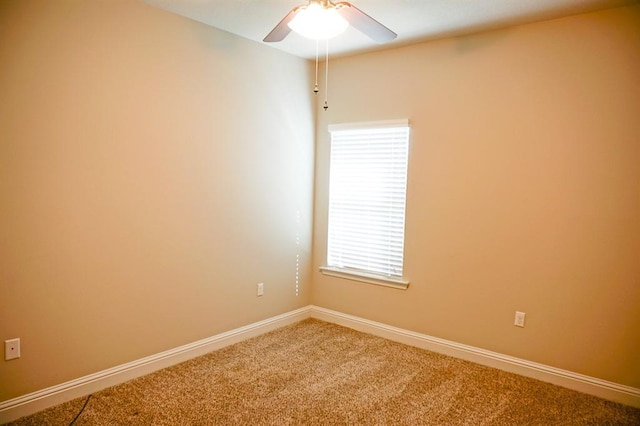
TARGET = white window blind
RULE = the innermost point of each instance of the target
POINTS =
(367, 197)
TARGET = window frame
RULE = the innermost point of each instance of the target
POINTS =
(370, 277)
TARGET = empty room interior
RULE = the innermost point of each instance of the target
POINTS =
(154, 170)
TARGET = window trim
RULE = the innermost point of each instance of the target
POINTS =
(400, 283)
(364, 277)
(402, 122)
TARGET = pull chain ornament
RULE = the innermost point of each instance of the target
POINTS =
(315, 90)
(326, 76)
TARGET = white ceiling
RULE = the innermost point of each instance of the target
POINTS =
(412, 20)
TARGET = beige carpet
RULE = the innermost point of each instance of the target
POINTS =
(315, 373)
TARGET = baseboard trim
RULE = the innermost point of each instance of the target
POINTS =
(601, 388)
(15, 408)
(25, 405)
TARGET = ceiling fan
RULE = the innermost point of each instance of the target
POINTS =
(323, 19)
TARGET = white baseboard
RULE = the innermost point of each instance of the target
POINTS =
(601, 388)
(31, 403)
(25, 405)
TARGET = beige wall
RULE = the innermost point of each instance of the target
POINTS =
(153, 170)
(523, 193)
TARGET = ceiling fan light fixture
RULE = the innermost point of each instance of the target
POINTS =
(318, 23)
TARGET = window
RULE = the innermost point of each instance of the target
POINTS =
(367, 198)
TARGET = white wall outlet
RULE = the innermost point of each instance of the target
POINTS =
(11, 349)
(260, 289)
(519, 320)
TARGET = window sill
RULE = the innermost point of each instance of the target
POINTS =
(365, 277)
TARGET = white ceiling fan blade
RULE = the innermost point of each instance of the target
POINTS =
(280, 31)
(365, 23)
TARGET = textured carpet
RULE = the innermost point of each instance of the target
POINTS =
(315, 373)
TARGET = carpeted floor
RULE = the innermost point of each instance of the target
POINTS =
(316, 373)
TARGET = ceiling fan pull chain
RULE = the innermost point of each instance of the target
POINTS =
(326, 77)
(315, 90)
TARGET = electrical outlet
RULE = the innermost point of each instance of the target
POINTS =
(11, 349)
(260, 289)
(519, 320)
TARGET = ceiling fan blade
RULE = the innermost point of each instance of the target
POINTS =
(365, 23)
(280, 31)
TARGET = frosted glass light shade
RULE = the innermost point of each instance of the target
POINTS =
(317, 23)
